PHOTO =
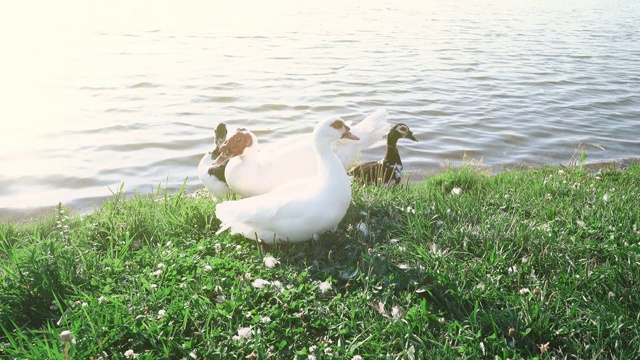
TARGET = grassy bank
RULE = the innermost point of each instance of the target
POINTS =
(540, 263)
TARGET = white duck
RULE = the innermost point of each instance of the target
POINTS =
(297, 210)
(253, 170)
(213, 176)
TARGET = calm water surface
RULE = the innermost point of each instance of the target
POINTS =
(125, 93)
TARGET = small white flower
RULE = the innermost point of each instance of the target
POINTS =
(605, 198)
(101, 299)
(66, 336)
(160, 266)
(270, 262)
(362, 227)
(277, 284)
(327, 350)
(238, 248)
(245, 333)
(396, 312)
(524, 291)
(560, 171)
(512, 270)
(312, 348)
(208, 268)
(129, 354)
(311, 357)
(218, 247)
(247, 276)
(161, 312)
(265, 320)
(236, 338)
(153, 286)
(156, 273)
(84, 304)
(356, 357)
(324, 286)
(456, 191)
(260, 283)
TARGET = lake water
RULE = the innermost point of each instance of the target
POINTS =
(101, 94)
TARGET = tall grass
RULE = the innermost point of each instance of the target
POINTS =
(539, 263)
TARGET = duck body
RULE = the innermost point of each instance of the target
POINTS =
(389, 170)
(295, 211)
(255, 170)
(211, 176)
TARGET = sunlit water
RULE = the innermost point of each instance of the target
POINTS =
(98, 95)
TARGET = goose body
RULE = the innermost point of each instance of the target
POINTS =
(213, 176)
(389, 170)
(295, 211)
(253, 169)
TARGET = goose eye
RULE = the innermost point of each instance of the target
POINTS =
(337, 124)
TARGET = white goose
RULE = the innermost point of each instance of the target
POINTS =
(253, 170)
(213, 176)
(297, 210)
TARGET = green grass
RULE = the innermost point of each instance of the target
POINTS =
(528, 264)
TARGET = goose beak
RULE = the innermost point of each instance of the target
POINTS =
(349, 135)
(411, 137)
(222, 159)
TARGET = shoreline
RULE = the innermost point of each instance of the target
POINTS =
(89, 205)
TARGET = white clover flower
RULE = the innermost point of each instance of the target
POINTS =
(161, 312)
(456, 191)
(156, 273)
(396, 312)
(101, 299)
(67, 337)
(606, 197)
(270, 262)
(277, 284)
(524, 291)
(153, 286)
(260, 283)
(512, 270)
(265, 320)
(356, 357)
(324, 286)
(208, 268)
(245, 333)
(129, 354)
(362, 227)
(84, 304)
(218, 247)
(160, 265)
